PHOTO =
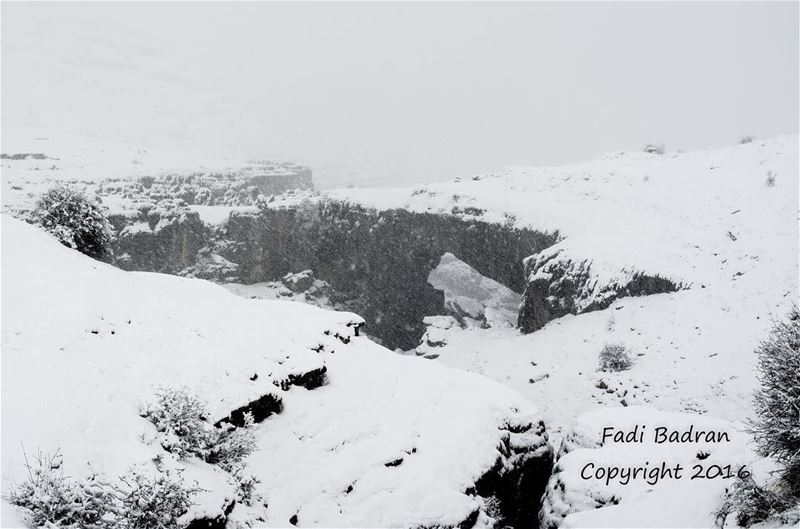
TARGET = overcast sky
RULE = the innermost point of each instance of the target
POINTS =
(389, 93)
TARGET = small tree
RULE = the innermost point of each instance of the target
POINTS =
(777, 402)
(615, 357)
(76, 220)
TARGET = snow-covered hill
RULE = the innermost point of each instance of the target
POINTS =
(386, 441)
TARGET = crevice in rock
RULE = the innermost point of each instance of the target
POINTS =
(518, 478)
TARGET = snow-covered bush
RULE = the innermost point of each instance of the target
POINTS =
(749, 503)
(615, 357)
(746, 139)
(154, 502)
(138, 501)
(76, 220)
(232, 444)
(48, 494)
(770, 179)
(245, 484)
(180, 417)
(653, 148)
(777, 402)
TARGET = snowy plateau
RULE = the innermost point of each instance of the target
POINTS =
(429, 353)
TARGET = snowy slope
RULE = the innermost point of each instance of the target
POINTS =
(85, 344)
(673, 474)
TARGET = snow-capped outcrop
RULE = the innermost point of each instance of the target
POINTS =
(559, 285)
(85, 345)
(632, 459)
(124, 175)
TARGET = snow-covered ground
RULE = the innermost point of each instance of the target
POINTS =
(85, 345)
(721, 222)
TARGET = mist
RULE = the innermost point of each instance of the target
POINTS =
(397, 93)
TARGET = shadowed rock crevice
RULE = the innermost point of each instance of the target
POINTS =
(519, 477)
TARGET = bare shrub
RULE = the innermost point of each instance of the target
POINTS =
(154, 502)
(749, 503)
(746, 139)
(770, 179)
(615, 357)
(138, 501)
(776, 429)
(49, 496)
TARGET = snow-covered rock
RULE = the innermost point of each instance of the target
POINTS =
(386, 440)
(558, 286)
(627, 461)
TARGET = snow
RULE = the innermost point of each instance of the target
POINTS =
(680, 500)
(85, 345)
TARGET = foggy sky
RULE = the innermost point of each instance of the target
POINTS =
(392, 93)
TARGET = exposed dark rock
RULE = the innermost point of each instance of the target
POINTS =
(559, 286)
(166, 238)
(261, 408)
(394, 463)
(299, 282)
(212, 522)
(520, 475)
(309, 380)
(23, 156)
